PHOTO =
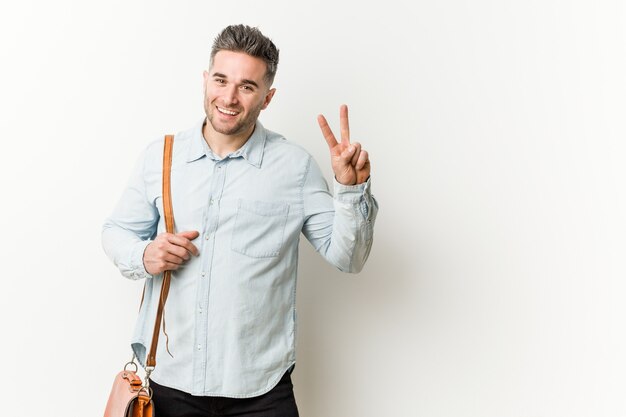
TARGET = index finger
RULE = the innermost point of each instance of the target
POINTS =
(328, 134)
(344, 125)
(183, 242)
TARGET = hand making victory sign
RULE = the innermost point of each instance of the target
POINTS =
(351, 164)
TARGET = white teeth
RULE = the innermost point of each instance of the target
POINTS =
(221, 110)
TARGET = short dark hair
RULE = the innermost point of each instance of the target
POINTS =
(249, 40)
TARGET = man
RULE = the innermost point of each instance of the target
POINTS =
(241, 196)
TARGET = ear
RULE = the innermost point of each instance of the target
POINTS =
(205, 77)
(268, 98)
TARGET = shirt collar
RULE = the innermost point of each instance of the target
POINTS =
(196, 147)
(251, 151)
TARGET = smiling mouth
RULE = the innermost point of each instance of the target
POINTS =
(227, 112)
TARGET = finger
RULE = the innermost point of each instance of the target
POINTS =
(190, 235)
(178, 251)
(182, 238)
(169, 266)
(347, 155)
(363, 159)
(363, 174)
(355, 155)
(173, 259)
(328, 134)
(344, 125)
(183, 243)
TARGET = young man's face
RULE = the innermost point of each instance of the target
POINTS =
(235, 92)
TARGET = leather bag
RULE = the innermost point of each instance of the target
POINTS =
(130, 397)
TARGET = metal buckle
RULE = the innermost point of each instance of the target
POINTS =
(146, 383)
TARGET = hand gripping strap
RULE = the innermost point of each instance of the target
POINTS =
(169, 227)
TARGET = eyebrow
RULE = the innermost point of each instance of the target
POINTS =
(244, 81)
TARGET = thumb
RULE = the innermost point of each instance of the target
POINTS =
(189, 234)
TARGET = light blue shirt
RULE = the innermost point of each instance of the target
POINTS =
(231, 313)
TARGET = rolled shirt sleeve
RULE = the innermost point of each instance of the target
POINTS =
(340, 228)
(131, 226)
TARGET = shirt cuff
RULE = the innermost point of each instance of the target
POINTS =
(351, 193)
(138, 270)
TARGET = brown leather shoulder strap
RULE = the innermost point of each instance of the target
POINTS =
(167, 189)
(169, 227)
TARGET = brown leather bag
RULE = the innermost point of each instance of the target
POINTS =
(129, 396)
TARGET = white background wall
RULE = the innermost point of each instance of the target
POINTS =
(496, 129)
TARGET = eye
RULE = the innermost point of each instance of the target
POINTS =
(220, 81)
(247, 88)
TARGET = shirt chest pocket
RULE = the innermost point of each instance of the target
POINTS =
(259, 228)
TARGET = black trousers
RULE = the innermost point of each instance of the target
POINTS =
(279, 402)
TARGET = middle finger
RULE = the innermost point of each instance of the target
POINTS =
(344, 125)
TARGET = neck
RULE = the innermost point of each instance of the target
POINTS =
(222, 144)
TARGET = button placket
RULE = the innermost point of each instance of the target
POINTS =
(210, 220)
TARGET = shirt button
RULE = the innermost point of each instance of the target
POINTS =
(199, 347)
(206, 237)
(203, 274)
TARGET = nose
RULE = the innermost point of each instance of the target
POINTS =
(230, 95)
